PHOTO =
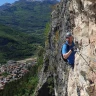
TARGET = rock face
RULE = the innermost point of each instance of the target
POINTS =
(78, 16)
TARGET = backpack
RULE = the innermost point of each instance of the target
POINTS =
(65, 60)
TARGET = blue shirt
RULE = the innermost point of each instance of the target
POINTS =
(65, 49)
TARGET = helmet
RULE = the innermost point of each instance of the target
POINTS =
(68, 34)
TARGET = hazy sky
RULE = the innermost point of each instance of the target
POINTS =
(7, 1)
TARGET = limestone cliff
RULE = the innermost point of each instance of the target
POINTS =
(56, 78)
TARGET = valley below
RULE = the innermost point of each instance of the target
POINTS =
(14, 70)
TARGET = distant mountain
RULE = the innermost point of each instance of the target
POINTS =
(39, 0)
(5, 6)
(26, 15)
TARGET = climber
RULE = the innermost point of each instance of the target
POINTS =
(68, 50)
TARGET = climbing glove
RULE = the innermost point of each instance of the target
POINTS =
(74, 49)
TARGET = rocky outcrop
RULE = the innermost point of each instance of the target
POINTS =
(78, 16)
(85, 63)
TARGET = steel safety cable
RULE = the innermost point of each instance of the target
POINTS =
(86, 62)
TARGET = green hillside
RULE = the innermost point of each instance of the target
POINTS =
(17, 45)
(22, 28)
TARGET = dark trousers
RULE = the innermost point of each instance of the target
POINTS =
(72, 65)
